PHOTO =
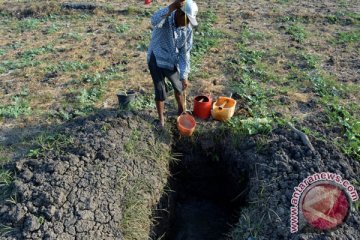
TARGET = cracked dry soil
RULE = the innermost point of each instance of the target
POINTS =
(80, 193)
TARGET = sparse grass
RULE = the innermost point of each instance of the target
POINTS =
(255, 94)
(32, 53)
(313, 133)
(354, 15)
(4, 229)
(311, 61)
(5, 177)
(205, 37)
(298, 32)
(251, 223)
(249, 72)
(283, 1)
(340, 115)
(247, 36)
(143, 102)
(122, 28)
(136, 221)
(72, 36)
(3, 156)
(7, 65)
(134, 224)
(143, 44)
(292, 19)
(329, 91)
(348, 37)
(88, 97)
(67, 66)
(46, 142)
(28, 24)
(83, 100)
(332, 19)
(18, 107)
(53, 28)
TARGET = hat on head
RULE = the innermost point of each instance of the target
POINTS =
(191, 9)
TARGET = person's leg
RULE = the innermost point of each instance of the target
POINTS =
(174, 78)
(160, 109)
(159, 87)
(180, 101)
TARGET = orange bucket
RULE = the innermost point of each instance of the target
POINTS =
(202, 107)
(186, 124)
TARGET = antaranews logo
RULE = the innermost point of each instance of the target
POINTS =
(322, 200)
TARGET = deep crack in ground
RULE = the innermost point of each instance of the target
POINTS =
(203, 197)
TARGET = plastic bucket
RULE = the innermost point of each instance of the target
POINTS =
(223, 109)
(186, 124)
(125, 98)
(202, 107)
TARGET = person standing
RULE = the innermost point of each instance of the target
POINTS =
(169, 51)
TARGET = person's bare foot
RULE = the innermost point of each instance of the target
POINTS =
(159, 125)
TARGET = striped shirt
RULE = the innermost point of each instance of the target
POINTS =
(171, 45)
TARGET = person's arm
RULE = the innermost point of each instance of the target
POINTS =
(157, 19)
(184, 59)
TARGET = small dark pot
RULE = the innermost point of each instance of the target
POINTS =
(125, 98)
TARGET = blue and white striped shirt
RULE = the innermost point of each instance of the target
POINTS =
(171, 45)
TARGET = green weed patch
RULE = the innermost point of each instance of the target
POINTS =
(28, 24)
(8, 65)
(72, 36)
(341, 116)
(348, 37)
(122, 28)
(67, 66)
(32, 53)
(329, 92)
(46, 142)
(248, 73)
(18, 107)
(298, 33)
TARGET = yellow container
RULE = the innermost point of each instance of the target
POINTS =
(223, 109)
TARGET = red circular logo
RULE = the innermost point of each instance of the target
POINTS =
(325, 206)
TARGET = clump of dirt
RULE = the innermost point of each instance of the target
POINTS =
(276, 166)
(86, 189)
(34, 9)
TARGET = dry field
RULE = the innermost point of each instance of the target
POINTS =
(284, 61)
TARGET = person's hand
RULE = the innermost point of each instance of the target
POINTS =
(185, 84)
(177, 5)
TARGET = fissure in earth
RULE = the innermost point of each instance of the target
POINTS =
(202, 198)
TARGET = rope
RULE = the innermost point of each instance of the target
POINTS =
(184, 110)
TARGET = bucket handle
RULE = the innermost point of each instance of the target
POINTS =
(186, 112)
